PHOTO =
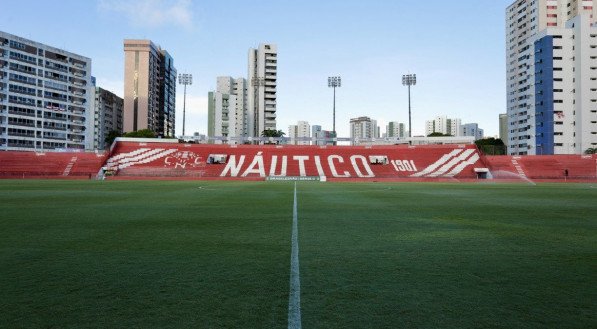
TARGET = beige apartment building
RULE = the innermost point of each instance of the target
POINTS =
(149, 88)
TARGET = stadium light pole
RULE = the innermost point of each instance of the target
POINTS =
(184, 79)
(409, 80)
(334, 82)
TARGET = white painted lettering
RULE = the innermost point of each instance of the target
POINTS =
(256, 167)
(232, 167)
(320, 171)
(365, 163)
(283, 167)
(333, 167)
(301, 159)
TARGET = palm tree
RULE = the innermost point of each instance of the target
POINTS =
(272, 133)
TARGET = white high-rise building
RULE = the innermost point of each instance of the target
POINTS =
(301, 130)
(46, 97)
(227, 111)
(551, 76)
(444, 125)
(362, 128)
(262, 77)
(374, 129)
(395, 129)
(108, 116)
(472, 129)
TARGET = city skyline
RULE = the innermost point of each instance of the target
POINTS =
(460, 63)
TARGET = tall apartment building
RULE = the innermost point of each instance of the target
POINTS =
(395, 129)
(108, 110)
(363, 128)
(227, 110)
(149, 88)
(263, 74)
(551, 76)
(300, 130)
(45, 101)
(444, 125)
(472, 129)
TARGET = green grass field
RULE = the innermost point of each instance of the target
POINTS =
(372, 255)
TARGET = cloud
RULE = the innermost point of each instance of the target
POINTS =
(152, 13)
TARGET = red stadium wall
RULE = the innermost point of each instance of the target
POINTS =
(134, 159)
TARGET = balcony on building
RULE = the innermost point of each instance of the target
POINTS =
(54, 126)
(78, 64)
(56, 56)
(21, 133)
(20, 144)
(78, 82)
(21, 123)
(76, 110)
(77, 100)
(78, 73)
(59, 137)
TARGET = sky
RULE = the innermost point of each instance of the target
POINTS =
(456, 49)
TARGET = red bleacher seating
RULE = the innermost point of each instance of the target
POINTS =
(543, 166)
(160, 159)
(50, 164)
(132, 159)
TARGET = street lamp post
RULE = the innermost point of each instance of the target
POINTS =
(184, 79)
(409, 80)
(334, 82)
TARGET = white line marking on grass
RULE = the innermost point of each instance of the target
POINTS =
(294, 298)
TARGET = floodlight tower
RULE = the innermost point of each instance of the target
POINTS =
(184, 79)
(409, 80)
(334, 82)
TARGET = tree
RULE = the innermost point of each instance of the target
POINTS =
(143, 133)
(438, 134)
(111, 137)
(273, 133)
(591, 150)
(491, 146)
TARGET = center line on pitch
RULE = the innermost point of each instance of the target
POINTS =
(294, 298)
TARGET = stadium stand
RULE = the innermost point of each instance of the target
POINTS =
(145, 159)
(543, 166)
(50, 164)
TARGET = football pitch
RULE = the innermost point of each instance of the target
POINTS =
(208, 254)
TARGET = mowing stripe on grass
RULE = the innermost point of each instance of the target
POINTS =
(294, 298)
